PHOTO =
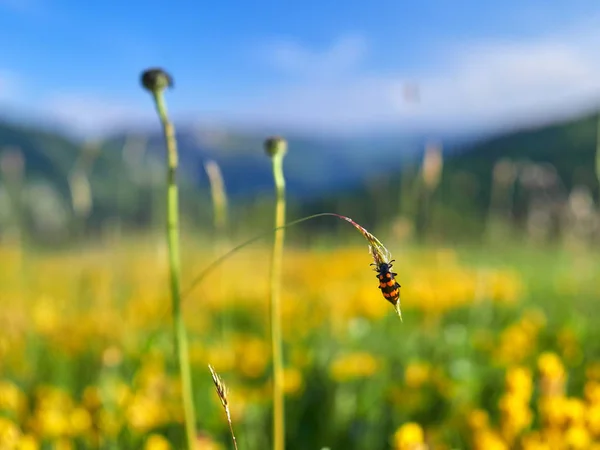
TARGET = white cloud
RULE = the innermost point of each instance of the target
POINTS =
(9, 85)
(346, 53)
(484, 82)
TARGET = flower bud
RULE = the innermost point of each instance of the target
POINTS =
(275, 146)
(156, 79)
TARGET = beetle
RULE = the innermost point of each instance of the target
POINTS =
(390, 288)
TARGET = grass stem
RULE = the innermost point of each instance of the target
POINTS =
(181, 344)
(276, 148)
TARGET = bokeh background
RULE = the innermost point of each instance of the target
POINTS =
(464, 135)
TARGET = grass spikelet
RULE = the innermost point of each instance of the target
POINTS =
(380, 254)
(219, 197)
(156, 81)
(222, 393)
(431, 173)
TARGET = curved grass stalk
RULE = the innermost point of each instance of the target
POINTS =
(378, 251)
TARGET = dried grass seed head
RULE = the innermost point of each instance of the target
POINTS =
(378, 251)
(220, 386)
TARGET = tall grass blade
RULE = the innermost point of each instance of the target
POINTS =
(276, 148)
(156, 81)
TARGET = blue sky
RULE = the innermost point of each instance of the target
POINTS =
(328, 65)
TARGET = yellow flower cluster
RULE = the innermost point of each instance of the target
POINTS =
(516, 416)
(109, 310)
(353, 366)
(564, 422)
(518, 341)
(409, 436)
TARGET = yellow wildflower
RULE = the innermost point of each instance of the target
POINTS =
(292, 380)
(353, 365)
(157, 442)
(550, 365)
(409, 437)
(62, 444)
(145, 413)
(552, 410)
(488, 440)
(91, 397)
(478, 419)
(28, 442)
(416, 374)
(52, 422)
(109, 423)
(575, 410)
(204, 442)
(553, 374)
(593, 419)
(577, 437)
(81, 421)
(516, 416)
(253, 355)
(592, 392)
(593, 371)
(519, 382)
(11, 397)
(9, 433)
(534, 441)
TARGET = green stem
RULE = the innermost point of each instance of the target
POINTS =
(181, 344)
(276, 338)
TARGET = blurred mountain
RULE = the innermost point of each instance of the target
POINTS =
(362, 177)
(312, 165)
(548, 162)
(123, 175)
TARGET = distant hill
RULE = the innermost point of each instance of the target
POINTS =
(368, 178)
(126, 171)
(462, 200)
(569, 147)
(313, 166)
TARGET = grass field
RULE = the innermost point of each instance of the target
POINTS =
(498, 348)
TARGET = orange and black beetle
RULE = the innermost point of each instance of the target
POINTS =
(387, 283)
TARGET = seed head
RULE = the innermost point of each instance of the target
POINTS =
(377, 250)
(276, 146)
(222, 393)
(156, 80)
(220, 387)
(433, 163)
